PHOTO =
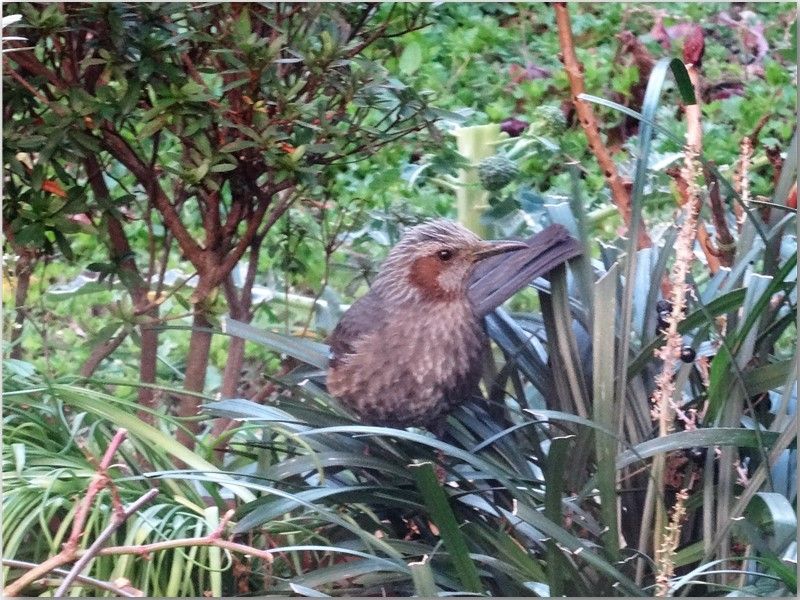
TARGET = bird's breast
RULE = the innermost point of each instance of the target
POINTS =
(413, 368)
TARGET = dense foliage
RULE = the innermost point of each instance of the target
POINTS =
(173, 172)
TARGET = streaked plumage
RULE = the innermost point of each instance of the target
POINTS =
(412, 348)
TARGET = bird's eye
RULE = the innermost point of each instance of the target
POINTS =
(445, 255)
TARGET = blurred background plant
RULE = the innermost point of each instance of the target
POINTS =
(170, 167)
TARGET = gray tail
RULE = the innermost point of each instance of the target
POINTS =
(497, 278)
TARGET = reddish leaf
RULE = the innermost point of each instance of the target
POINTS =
(693, 46)
(54, 188)
(791, 201)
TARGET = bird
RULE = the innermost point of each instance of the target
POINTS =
(413, 347)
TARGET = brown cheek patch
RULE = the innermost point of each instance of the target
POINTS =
(424, 274)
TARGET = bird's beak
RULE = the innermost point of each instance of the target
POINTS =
(487, 249)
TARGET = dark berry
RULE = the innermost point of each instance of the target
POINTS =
(688, 354)
(513, 127)
(697, 455)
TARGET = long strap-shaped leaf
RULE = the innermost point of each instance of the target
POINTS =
(652, 98)
(308, 351)
(570, 542)
(441, 512)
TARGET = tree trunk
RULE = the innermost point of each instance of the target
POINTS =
(148, 361)
(22, 273)
(120, 251)
(195, 375)
(239, 304)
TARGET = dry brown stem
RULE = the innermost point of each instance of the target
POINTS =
(666, 552)
(85, 557)
(101, 352)
(117, 588)
(741, 179)
(694, 140)
(725, 243)
(662, 404)
(703, 237)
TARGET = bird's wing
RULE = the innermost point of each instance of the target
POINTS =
(366, 315)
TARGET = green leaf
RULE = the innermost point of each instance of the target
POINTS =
(442, 515)
(606, 407)
(222, 168)
(64, 245)
(211, 514)
(312, 353)
(768, 377)
(724, 373)
(557, 570)
(775, 516)
(308, 592)
(719, 306)
(237, 145)
(101, 267)
(103, 405)
(652, 97)
(131, 97)
(267, 509)
(703, 438)
(410, 59)
(150, 128)
(570, 382)
(242, 27)
(422, 576)
(572, 543)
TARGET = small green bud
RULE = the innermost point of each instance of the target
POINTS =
(496, 172)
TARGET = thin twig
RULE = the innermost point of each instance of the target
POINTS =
(212, 539)
(147, 178)
(116, 522)
(125, 591)
(101, 352)
(55, 107)
(60, 559)
(70, 549)
(99, 482)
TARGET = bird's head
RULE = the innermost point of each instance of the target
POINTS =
(433, 262)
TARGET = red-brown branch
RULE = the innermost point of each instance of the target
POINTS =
(120, 149)
(85, 557)
(214, 538)
(55, 107)
(100, 481)
(26, 259)
(27, 60)
(101, 352)
(217, 275)
(124, 590)
(574, 69)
